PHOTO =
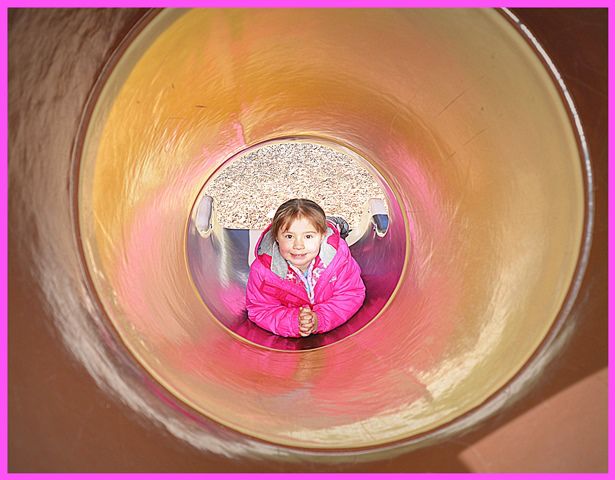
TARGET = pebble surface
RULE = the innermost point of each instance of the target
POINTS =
(247, 192)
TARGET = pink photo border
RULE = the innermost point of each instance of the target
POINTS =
(239, 4)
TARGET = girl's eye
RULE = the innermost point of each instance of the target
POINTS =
(288, 237)
(308, 236)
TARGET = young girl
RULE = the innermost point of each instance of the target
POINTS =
(303, 280)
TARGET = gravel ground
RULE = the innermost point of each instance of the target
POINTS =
(247, 192)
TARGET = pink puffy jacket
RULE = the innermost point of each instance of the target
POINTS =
(273, 302)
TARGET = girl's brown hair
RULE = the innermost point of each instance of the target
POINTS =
(298, 208)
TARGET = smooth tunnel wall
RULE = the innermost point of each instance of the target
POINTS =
(452, 108)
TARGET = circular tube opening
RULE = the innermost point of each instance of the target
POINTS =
(476, 145)
(219, 257)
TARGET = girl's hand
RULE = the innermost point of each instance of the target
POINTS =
(314, 322)
(306, 321)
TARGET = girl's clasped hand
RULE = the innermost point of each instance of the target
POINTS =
(308, 321)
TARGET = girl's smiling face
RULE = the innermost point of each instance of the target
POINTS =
(300, 243)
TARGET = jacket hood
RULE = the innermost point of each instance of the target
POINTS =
(268, 253)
